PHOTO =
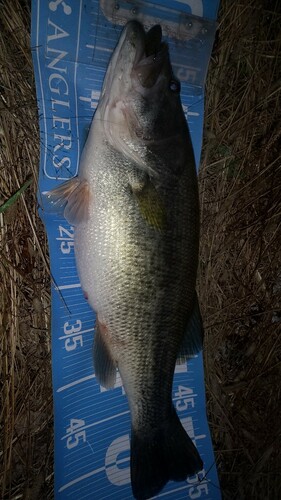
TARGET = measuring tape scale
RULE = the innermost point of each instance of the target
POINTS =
(74, 41)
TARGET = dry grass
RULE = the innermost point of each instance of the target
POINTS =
(240, 279)
(26, 393)
(240, 274)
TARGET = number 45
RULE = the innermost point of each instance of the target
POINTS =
(76, 433)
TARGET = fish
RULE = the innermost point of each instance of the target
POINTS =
(135, 209)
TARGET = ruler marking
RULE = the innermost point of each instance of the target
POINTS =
(104, 49)
(81, 313)
(65, 287)
(66, 336)
(76, 382)
(96, 423)
(81, 478)
(179, 398)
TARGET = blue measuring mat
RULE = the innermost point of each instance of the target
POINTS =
(72, 41)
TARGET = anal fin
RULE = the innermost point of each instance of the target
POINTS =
(192, 341)
(105, 366)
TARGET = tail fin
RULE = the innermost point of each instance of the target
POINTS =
(166, 454)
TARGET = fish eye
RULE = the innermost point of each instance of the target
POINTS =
(175, 86)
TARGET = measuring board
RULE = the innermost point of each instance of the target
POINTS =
(72, 41)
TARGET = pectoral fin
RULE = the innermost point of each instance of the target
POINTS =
(151, 205)
(193, 338)
(71, 197)
(105, 367)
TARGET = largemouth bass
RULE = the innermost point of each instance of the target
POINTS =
(135, 209)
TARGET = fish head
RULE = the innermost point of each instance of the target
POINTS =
(140, 100)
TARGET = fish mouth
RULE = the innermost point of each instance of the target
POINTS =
(137, 62)
(151, 54)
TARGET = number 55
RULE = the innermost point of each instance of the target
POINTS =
(196, 491)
